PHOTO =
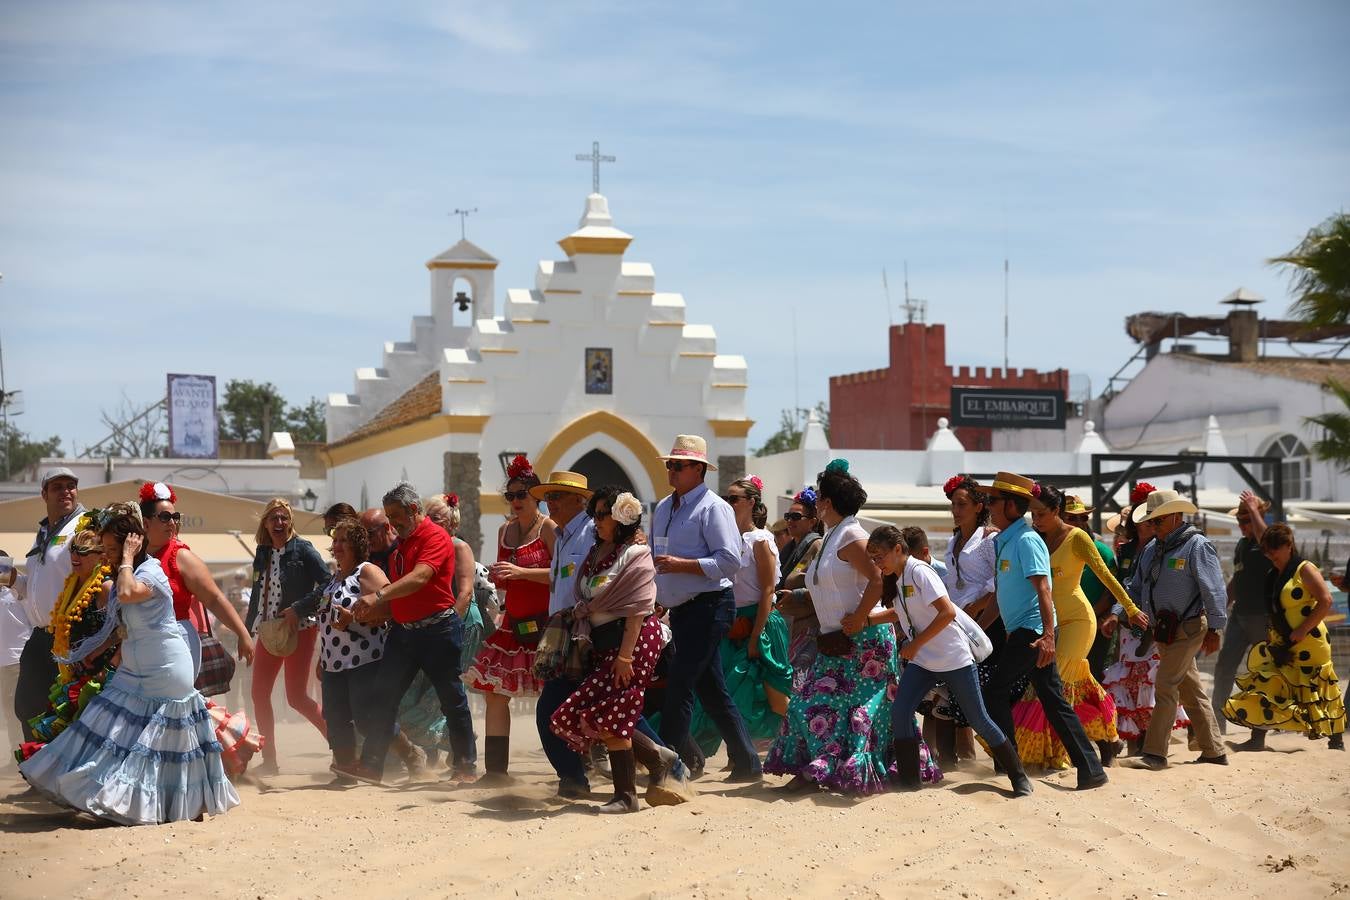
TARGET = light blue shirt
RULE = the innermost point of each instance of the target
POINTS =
(703, 528)
(575, 540)
(1182, 574)
(1021, 554)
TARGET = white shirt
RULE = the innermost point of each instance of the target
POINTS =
(47, 575)
(835, 586)
(970, 575)
(745, 586)
(920, 587)
(14, 628)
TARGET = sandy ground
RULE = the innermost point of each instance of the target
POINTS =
(1272, 824)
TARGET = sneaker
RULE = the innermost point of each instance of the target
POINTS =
(359, 771)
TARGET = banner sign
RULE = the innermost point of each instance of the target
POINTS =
(192, 417)
(1006, 408)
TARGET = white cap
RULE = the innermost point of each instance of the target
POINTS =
(58, 472)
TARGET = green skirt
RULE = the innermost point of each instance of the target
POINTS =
(746, 680)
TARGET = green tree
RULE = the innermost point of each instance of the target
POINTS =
(18, 451)
(789, 433)
(308, 422)
(1319, 268)
(250, 411)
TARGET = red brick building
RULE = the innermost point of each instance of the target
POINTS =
(897, 408)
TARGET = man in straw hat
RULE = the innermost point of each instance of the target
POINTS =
(1247, 620)
(1179, 583)
(697, 549)
(1028, 610)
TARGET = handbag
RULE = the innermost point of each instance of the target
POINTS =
(608, 636)
(980, 645)
(551, 654)
(835, 643)
(217, 665)
(740, 629)
(529, 631)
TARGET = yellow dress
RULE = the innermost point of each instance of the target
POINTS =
(1037, 743)
(1303, 695)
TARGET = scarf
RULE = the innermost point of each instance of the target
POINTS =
(795, 556)
(632, 592)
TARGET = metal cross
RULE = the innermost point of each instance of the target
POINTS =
(463, 214)
(595, 159)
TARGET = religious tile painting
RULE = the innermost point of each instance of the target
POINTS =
(599, 370)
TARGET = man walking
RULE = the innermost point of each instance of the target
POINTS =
(1178, 581)
(697, 548)
(1025, 603)
(1247, 618)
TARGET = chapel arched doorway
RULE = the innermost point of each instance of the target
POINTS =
(600, 469)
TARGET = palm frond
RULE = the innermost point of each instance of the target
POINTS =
(1333, 445)
(1319, 271)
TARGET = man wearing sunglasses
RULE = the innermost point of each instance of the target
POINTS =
(697, 548)
(47, 566)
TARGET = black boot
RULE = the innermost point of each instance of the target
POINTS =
(496, 752)
(1109, 751)
(944, 734)
(1256, 742)
(1005, 754)
(624, 767)
(907, 764)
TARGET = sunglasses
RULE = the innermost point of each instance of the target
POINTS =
(328, 530)
(554, 496)
(166, 517)
(600, 514)
(86, 551)
(732, 498)
(794, 516)
(513, 496)
(673, 466)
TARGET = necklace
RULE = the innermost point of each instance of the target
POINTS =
(78, 596)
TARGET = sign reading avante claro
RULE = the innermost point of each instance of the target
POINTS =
(1007, 408)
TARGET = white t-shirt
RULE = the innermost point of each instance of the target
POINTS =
(835, 586)
(47, 574)
(14, 628)
(745, 587)
(920, 587)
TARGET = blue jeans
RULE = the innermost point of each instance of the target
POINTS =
(964, 684)
(435, 651)
(696, 665)
(349, 700)
(565, 761)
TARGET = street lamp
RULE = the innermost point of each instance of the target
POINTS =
(309, 499)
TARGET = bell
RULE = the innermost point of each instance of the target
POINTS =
(462, 300)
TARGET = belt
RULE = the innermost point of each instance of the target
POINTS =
(433, 619)
(705, 597)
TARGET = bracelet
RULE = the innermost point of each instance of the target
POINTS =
(625, 659)
(126, 566)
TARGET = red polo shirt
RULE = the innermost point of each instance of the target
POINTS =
(427, 545)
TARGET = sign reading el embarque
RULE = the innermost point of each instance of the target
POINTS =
(1007, 408)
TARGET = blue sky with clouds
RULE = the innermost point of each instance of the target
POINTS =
(250, 190)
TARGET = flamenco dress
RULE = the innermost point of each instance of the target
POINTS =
(505, 664)
(144, 751)
(1299, 691)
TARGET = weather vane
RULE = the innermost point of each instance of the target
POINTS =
(463, 215)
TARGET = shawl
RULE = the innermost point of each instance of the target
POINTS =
(632, 592)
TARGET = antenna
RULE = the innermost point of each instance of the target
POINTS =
(916, 310)
(886, 289)
(1005, 313)
(463, 215)
(796, 369)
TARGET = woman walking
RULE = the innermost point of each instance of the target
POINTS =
(793, 599)
(837, 733)
(615, 613)
(935, 650)
(1291, 684)
(504, 667)
(287, 570)
(144, 751)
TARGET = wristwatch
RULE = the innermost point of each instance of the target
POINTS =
(379, 595)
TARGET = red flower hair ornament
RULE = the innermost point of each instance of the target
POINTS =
(519, 468)
(1141, 492)
(952, 484)
(452, 499)
(757, 482)
(155, 491)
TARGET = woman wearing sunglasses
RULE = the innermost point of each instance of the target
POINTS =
(194, 590)
(504, 667)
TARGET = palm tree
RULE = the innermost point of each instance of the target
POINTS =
(1320, 270)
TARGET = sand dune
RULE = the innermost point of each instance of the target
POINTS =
(1273, 824)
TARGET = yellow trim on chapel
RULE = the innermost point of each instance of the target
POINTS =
(731, 428)
(607, 423)
(403, 436)
(607, 246)
(450, 264)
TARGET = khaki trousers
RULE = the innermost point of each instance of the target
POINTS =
(1179, 678)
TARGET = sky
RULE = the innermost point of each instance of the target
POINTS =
(250, 190)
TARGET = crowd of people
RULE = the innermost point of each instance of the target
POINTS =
(850, 661)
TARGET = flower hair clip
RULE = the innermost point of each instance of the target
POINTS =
(757, 482)
(806, 495)
(519, 468)
(452, 499)
(952, 484)
(156, 491)
(627, 509)
(1141, 492)
(1036, 489)
(839, 465)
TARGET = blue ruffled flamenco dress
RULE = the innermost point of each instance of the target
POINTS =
(144, 751)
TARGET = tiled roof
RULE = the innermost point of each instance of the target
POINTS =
(421, 401)
(1293, 368)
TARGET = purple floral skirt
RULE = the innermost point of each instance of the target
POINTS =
(837, 732)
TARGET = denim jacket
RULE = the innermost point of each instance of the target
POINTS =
(304, 575)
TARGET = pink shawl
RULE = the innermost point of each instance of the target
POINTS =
(630, 593)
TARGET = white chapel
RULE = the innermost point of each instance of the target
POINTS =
(593, 369)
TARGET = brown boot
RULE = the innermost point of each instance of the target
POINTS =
(664, 787)
(414, 758)
(624, 767)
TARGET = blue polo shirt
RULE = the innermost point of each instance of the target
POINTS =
(1021, 554)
